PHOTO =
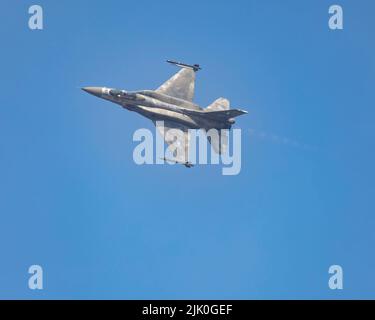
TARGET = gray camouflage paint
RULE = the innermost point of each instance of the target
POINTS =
(173, 103)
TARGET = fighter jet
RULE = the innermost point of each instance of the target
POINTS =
(173, 104)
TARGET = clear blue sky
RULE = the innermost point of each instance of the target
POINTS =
(74, 202)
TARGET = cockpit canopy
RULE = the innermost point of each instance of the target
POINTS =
(122, 93)
(116, 93)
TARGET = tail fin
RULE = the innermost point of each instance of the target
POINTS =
(218, 140)
(219, 104)
(220, 110)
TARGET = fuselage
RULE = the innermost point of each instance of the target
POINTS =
(159, 107)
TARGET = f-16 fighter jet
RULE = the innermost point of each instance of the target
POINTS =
(172, 103)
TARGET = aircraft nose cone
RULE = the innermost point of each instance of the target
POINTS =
(96, 91)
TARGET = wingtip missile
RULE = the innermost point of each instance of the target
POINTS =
(195, 67)
(187, 164)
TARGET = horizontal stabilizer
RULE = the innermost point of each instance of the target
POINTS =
(222, 115)
(225, 114)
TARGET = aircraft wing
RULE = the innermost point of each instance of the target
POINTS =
(178, 140)
(181, 85)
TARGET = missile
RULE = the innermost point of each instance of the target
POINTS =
(187, 164)
(195, 67)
